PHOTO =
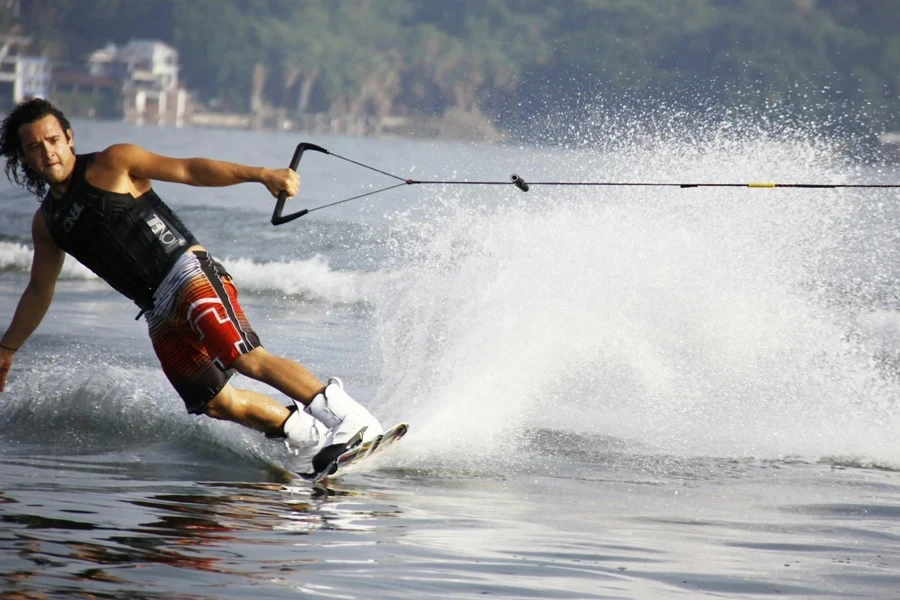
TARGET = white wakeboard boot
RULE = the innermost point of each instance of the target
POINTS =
(303, 433)
(342, 415)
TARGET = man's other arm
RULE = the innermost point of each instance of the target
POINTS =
(46, 263)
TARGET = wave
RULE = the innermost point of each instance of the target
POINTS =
(74, 408)
(17, 257)
(313, 279)
(87, 407)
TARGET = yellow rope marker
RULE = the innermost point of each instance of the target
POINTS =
(761, 185)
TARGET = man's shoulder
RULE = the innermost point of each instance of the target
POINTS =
(114, 161)
(116, 153)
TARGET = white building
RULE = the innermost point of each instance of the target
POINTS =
(32, 78)
(148, 70)
(148, 64)
(21, 76)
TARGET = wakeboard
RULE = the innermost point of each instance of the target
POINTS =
(356, 452)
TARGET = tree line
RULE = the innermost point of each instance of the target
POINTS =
(513, 61)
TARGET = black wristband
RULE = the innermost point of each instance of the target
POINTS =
(8, 348)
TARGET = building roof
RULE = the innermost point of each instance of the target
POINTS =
(146, 47)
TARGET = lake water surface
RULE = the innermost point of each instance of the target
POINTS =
(612, 392)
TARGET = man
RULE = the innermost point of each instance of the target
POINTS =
(101, 209)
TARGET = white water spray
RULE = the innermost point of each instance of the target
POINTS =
(690, 322)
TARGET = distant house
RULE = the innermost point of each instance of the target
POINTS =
(21, 76)
(148, 72)
(152, 63)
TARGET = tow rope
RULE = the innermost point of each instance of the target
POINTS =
(278, 218)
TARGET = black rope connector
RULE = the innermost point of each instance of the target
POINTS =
(519, 182)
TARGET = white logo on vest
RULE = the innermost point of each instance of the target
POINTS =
(164, 233)
(72, 216)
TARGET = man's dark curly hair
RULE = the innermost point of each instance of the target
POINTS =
(28, 111)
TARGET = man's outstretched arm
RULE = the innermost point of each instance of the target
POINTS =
(142, 164)
(46, 264)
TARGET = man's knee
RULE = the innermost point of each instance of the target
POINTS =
(253, 364)
(222, 404)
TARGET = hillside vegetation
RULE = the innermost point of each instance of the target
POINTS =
(512, 61)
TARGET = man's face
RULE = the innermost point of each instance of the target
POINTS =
(47, 149)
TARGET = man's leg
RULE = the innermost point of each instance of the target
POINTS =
(262, 413)
(330, 405)
(200, 333)
(288, 377)
(209, 301)
(248, 408)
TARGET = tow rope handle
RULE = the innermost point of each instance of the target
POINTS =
(277, 217)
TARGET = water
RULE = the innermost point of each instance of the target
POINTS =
(613, 393)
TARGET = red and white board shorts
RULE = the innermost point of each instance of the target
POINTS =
(198, 329)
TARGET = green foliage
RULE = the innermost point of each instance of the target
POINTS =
(511, 60)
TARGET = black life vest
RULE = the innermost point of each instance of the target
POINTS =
(131, 243)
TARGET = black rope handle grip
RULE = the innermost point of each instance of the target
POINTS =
(277, 217)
